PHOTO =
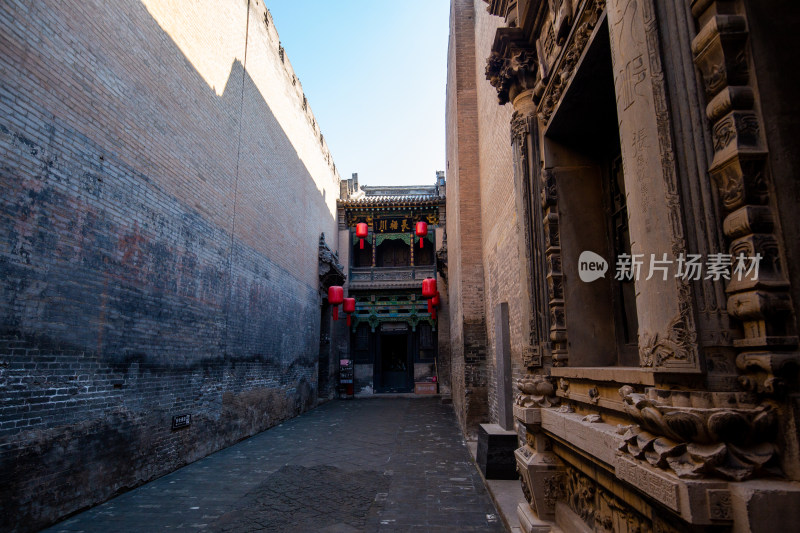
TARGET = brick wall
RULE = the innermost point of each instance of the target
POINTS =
(499, 219)
(154, 161)
(465, 266)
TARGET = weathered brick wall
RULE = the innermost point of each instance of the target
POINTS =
(155, 160)
(499, 218)
(465, 261)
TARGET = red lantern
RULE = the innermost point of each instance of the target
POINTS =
(349, 306)
(335, 297)
(428, 287)
(421, 231)
(362, 230)
(435, 300)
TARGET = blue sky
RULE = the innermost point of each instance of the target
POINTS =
(374, 73)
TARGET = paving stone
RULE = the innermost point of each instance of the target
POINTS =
(383, 465)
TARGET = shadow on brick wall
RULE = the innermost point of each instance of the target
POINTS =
(131, 288)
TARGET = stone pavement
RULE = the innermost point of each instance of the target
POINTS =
(383, 464)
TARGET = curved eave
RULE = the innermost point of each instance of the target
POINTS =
(405, 201)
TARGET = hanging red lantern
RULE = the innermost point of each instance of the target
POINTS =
(335, 297)
(435, 300)
(428, 287)
(421, 231)
(349, 306)
(434, 303)
(362, 230)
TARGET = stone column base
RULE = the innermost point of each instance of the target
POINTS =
(529, 522)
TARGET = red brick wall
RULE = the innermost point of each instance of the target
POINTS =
(158, 243)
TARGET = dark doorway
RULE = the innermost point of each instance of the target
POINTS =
(394, 367)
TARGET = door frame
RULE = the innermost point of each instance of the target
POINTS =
(378, 371)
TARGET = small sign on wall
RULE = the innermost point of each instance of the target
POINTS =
(181, 421)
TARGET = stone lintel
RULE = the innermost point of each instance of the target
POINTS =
(598, 439)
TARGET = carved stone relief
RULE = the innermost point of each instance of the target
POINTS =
(667, 331)
(739, 171)
(598, 508)
(535, 391)
(512, 66)
(563, 70)
(542, 474)
(331, 272)
(554, 276)
(733, 441)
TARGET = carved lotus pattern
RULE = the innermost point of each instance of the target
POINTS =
(732, 443)
(535, 391)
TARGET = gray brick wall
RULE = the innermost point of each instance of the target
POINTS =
(158, 244)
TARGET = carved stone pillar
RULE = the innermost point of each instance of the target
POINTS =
(541, 471)
(530, 216)
(667, 336)
(741, 174)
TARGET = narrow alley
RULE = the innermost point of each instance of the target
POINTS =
(389, 464)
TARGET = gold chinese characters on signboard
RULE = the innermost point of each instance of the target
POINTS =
(392, 224)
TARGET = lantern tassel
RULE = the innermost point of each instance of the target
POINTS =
(362, 244)
(336, 312)
(429, 306)
(348, 320)
(433, 315)
(420, 242)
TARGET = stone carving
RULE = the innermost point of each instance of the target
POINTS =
(535, 391)
(598, 508)
(526, 491)
(541, 473)
(331, 272)
(719, 53)
(559, 79)
(719, 504)
(738, 171)
(520, 127)
(554, 276)
(612, 511)
(581, 496)
(765, 372)
(553, 488)
(729, 442)
(679, 344)
(512, 66)
(531, 357)
(653, 483)
(441, 259)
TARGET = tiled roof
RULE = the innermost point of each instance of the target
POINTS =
(393, 201)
